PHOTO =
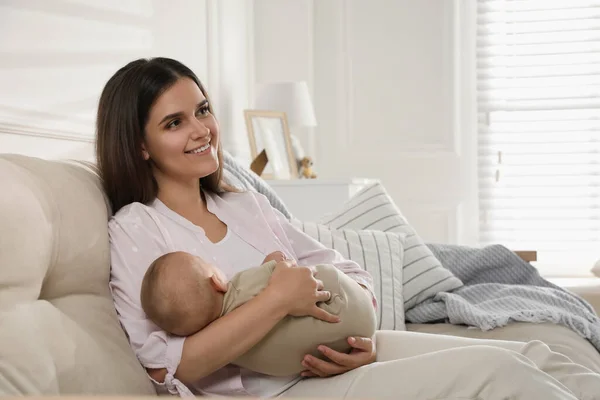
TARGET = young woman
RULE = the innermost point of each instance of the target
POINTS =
(159, 153)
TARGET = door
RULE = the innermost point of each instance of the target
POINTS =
(395, 100)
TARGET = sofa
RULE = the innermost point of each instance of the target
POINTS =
(59, 332)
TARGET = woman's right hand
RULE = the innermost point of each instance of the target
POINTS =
(297, 291)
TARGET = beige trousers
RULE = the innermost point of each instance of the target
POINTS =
(419, 366)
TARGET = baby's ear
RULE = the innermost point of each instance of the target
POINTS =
(218, 283)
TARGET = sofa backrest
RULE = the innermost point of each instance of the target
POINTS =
(59, 332)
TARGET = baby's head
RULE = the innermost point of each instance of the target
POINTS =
(182, 294)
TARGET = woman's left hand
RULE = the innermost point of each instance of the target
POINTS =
(363, 353)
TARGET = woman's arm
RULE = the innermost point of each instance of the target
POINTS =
(228, 337)
(308, 251)
(225, 339)
(291, 291)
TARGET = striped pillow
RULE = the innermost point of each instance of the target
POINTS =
(376, 252)
(372, 208)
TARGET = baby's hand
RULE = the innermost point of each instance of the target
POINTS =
(276, 256)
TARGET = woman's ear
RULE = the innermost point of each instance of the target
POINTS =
(145, 153)
(218, 284)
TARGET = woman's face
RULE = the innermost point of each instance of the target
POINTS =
(182, 136)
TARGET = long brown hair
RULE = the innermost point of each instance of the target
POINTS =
(123, 112)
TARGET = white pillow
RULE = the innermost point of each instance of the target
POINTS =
(378, 253)
(372, 208)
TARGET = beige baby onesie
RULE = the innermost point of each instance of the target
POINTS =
(281, 351)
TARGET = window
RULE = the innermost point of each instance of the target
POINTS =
(538, 94)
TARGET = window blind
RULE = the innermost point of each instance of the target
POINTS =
(538, 95)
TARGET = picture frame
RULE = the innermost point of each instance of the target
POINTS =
(268, 131)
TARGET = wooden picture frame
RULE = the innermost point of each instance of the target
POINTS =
(268, 131)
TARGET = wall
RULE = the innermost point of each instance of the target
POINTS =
(283, 49)
(55, 57)
(230, 61)
(393, 90)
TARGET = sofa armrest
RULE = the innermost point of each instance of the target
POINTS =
(527, 255)
(587, 288)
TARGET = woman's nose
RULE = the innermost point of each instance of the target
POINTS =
(200, 130)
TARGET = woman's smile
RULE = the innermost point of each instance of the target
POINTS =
(200, 150)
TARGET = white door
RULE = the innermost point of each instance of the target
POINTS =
(394, 96)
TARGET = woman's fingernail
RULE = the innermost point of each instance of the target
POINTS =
(352, 340)
(322, 349)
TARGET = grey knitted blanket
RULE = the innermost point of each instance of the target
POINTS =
(499, 288)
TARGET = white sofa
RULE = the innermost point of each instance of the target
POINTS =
(59, 332)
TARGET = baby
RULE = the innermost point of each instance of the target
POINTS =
(182, 294)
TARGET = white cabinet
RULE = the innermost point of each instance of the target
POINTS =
(310, 199)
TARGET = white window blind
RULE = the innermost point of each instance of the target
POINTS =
(538, 94)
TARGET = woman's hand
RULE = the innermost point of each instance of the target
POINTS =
(363, 353)
(298, 292)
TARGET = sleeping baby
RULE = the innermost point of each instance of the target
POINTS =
(182, 294)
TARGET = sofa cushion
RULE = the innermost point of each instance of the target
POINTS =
(59, 332)
(372, 208)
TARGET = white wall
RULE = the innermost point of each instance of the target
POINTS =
(392, 81)
(231, 70)
(283, 49)
(56, 56)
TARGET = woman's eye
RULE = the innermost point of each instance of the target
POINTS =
(203, 111)
(174, 124)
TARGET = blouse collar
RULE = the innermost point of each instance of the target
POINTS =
(236, 218)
